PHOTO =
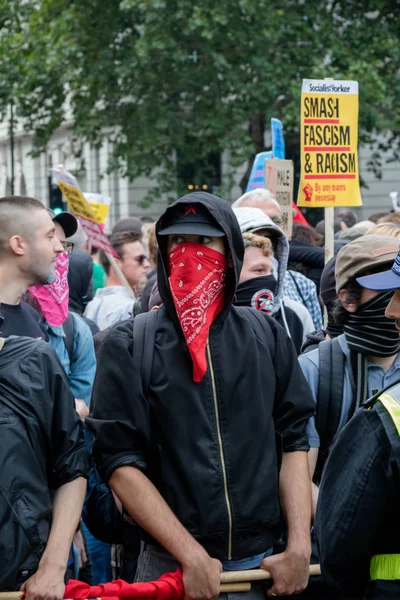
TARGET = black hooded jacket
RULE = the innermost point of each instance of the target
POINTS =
(80, 281)
(42, 448)
(209, 447)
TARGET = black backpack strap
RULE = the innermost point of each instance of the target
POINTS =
(144, 336)
(329, 398)
(69, 331)
(257, 318)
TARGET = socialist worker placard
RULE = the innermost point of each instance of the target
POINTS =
(329, 141)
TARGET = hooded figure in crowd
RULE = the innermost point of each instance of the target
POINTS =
(292, 315)
(173, 450)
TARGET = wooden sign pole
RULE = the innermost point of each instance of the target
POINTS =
(329, 213)
(120, 274)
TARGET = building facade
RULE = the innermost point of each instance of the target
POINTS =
(31, 175)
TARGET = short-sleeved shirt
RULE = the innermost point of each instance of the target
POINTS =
(378, 379)
(23, 320)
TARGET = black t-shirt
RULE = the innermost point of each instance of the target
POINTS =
(21, 319)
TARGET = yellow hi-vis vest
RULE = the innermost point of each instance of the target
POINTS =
(387, 566)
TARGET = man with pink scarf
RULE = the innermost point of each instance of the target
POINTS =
(80, 363)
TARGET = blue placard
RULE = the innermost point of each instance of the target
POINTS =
(257, 176)
(278, 140)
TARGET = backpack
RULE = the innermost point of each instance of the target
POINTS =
(69, 331)
(329, 399)
(144, 334)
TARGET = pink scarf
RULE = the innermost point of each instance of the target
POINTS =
(53, 298)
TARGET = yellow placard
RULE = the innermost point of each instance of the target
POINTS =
(100, 210)
(79, 205)
(329, 140)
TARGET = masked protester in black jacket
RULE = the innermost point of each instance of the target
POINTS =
(201, 457)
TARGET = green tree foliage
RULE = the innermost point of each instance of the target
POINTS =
(161, 78)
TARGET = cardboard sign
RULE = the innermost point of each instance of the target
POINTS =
(279, 178)
(82, 210)
(329, 139)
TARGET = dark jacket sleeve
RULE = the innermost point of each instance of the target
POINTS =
(353, 503)
(100, 513)
(121, 419)
(293, 400)
(67, 456)
(313, 256)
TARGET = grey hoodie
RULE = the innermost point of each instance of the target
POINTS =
(253, 218)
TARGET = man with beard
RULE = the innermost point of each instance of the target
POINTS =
(43, 456)
(29, 249)
(357, 521)
(194, 456)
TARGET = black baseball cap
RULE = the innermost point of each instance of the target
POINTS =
(192, 219)
(68, 222)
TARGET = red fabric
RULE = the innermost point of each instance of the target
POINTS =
(298, 215)
(168, 587)
(197, 281)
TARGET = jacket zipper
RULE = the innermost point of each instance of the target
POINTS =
(221, 451)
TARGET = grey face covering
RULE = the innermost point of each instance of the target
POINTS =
(369, 332)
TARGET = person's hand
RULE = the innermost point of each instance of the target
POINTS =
(289, 571)
(81, 408)
(80, 544)
(46, 584)
(201, 577)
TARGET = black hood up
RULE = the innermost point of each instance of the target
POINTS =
(222, 212)
(80, 281)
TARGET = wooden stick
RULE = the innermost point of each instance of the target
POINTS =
(231, 581)
(329, 219)
(256, 575)
(120, 274)
(227, 588)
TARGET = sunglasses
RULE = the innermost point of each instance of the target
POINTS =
(68, 247)
(141, 259)
(278, 219)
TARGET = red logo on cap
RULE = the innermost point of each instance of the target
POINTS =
(188, 210)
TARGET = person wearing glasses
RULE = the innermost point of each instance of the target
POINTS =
(114, 302)
(265, 201)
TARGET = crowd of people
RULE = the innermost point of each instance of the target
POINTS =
(199, 412)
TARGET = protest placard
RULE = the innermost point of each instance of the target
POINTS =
(329, 139)
(257, 175)
(82, 210)
(99, 204)
(278, 139)
(279, 178)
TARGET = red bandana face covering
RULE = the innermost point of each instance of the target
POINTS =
(197, 282)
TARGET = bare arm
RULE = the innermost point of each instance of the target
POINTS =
(201, 574)
(312, 463)
(48, 581)
(290, 569)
